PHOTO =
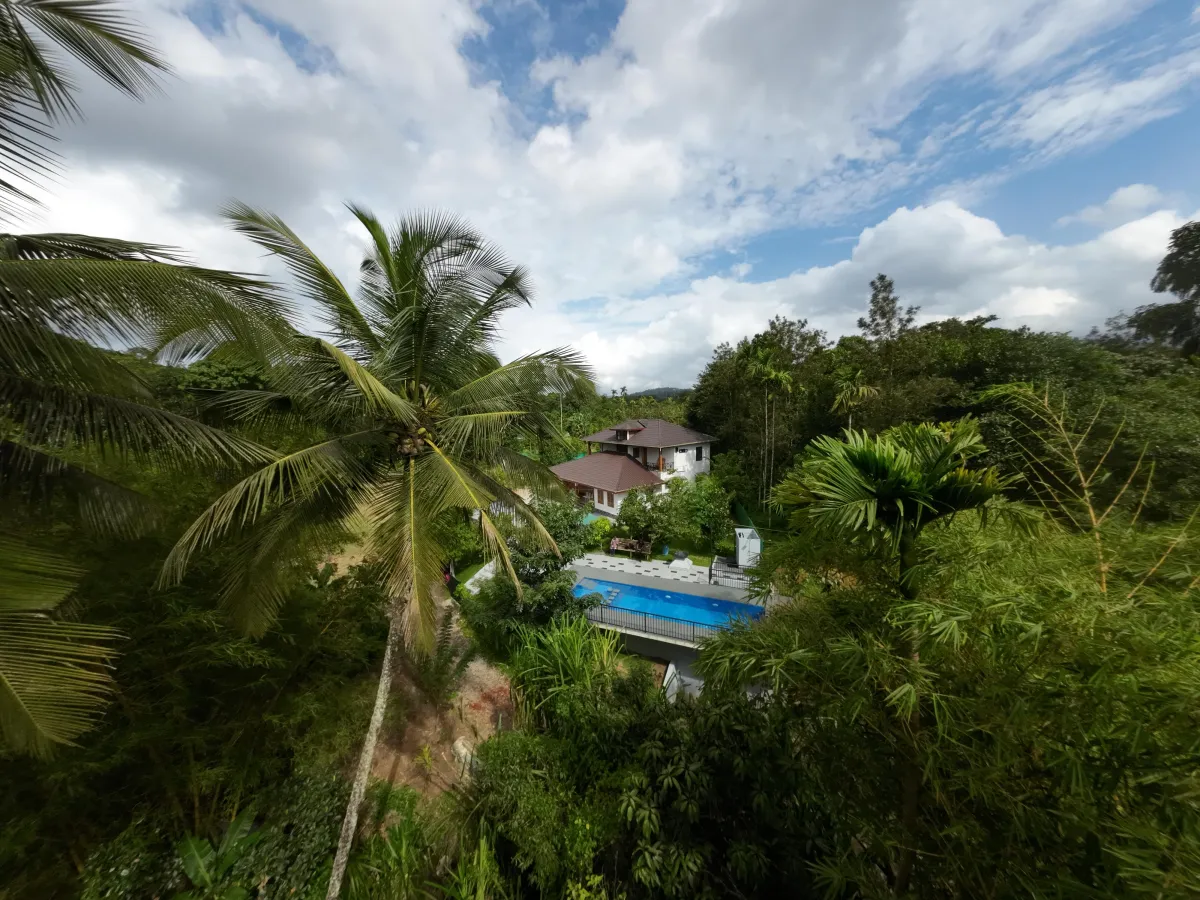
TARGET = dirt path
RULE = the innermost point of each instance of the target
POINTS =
(419, 749)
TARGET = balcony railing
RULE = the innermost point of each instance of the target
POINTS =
(649, 623)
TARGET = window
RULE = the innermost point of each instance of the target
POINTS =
(610, 499)
(700, 454)
(622, 435)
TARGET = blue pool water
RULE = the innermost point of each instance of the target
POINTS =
(669, 604)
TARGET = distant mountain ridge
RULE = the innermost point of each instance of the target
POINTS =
(660, 393)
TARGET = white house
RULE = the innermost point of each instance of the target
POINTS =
(635, 453)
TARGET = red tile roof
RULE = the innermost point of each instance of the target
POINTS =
(606, 471)
(650, 433)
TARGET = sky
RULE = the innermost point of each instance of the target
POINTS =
(675, 172)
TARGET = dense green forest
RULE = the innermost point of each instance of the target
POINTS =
(230, 666)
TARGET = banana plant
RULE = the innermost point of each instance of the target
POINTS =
(208, 867)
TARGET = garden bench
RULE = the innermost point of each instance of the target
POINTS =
(627, 545)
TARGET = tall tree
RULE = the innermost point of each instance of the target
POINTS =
(776, 378)
(416, 407)
(1175, 324)
(886, 319)
(852, 392)
(880, 493)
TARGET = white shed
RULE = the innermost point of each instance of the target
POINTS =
(749, 545)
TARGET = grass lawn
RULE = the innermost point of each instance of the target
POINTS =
(465, 575)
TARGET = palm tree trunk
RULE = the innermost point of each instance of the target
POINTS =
(762, 499)
(911, 773)
(774, 439)
(363, 773)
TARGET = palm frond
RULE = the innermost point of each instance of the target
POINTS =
(36, 88)
(33, 579)
(54, 677)
(262, 562)
(532, 532)
(337, 308)
(116, 301)
(476, 433)
(522, 472)
(524, 378)
(95, 33)
(38, 353)
(378, 397)
(329, 467)
(406, 537)
(54, 416)
(481, 500)
(33, 478)
(65, 245)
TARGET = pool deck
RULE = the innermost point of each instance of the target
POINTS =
(655, 568)
(659, 582)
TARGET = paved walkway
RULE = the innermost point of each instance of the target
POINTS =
(654, 568)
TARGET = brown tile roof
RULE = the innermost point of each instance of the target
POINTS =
(650, 433)
(607, 471)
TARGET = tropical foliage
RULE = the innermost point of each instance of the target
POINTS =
(63, 297)
(977, 676)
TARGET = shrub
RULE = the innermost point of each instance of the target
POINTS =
(601, 531)
(496, 614)
(438, 673)
(522, 791)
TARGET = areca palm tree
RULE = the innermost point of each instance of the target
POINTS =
(775, 378)
(415, 408)
(881, 492)
(852, 392)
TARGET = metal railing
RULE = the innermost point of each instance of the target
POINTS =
(649, 623)
(725, 575)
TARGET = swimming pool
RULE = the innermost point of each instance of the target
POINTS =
(703, 611)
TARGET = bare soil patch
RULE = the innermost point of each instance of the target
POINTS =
(418, 750)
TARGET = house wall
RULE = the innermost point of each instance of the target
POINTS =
(686, 465)
(600, 501)
(682, 459)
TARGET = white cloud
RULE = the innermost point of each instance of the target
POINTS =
(700, 125)
(1097, 105)
(942, 257)
(1123, 204)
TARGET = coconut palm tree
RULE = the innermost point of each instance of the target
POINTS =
(62, 298)
(852, 392)
(36, 87)
(415, 408)
(880, 493)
